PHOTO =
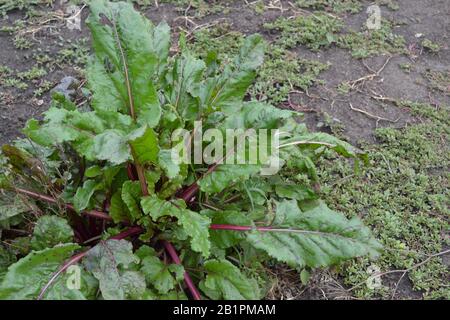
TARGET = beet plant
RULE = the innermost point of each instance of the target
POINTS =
(95, 205)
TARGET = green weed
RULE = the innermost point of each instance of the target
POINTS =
(373, 42)
(314, 31)
(404, 196)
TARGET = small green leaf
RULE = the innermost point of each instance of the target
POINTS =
(225, 281)
(183, 85)
(93, 172)
(195, 225)
(157, 273)
(50, 231)
(297, 192)
(118, 210)
(131, 196)
(84, 194)
(229, 88)
(304, 277)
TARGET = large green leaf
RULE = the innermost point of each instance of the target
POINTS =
(26, 277)
(320, 139)
(293, 191)
(50, 231)
(195, 225)
(315, 236)
(226, 281)
(127, 56)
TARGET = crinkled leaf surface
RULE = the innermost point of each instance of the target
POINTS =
(194, 224)
(157, 273)
(131, 196)
(225, 175)
(50, 231)
(108, 261)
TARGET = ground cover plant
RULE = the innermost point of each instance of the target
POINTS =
(102, 197)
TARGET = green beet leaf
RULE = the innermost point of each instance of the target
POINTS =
(226, 281)
(315, 236)
(194, 224)
(125, 60)
(50, 231)
(109, 262)
(29, 275)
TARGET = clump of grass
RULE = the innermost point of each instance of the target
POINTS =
(373, 42)
(391, 4)
(282, 72)
(439, 81)
(314, 31)
(199, 8)
(430, 46)
(403, 196)
(406, 67)
(9, 5)
(220, 39)
(75, 53)
(32, 74)
(337, 6)
(7, 79)
(22, 43)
